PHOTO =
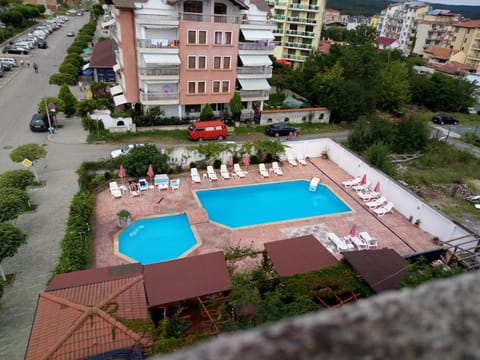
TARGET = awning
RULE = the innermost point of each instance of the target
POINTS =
(86, 66)
(115, 90)
(255, 60)
(254, 35)
(119, 100)
(108, 23)
(116, 67)
(254, 84)
(164, 59)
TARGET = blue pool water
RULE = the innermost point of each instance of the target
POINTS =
(157, 239)
(267, 203)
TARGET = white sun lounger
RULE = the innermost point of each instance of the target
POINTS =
(364, 187)
(376, 203)
(212, 175)
(115, 190)
(340, 244)
(224, 172)
(369, 195)
(195, 176)
(352, 182)
(291, 160)
(384, 209)
(301, 159)
(371, 241)
(276, 169)
(359, 243)
(263, 170)
(314, 184)
(175, 184)
(240, 173)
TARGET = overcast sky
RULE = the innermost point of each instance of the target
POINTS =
(455, 2)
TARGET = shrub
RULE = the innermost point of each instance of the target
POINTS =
(136, 162)
(10, 240)
(19, 179)
(69, 100)
(12, 203)
(32, 152)
(60, 79)
(217, 163)
(378, 156)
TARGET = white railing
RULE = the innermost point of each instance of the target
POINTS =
(254, 70)
(155, 96)
(158, 43)
(258, 46)
(254, 93)
(159, 71)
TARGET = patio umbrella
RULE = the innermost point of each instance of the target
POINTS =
(377, 187)
(353, 231)
(246, 160)
(364, 179)
(121, 172)
(150, 172)
(230, 161)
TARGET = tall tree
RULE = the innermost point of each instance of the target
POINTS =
(394, 89)
(70, 101)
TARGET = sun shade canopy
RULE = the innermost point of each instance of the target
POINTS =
(254, 84)
(254, 35)
(164, 59)
(255, 60)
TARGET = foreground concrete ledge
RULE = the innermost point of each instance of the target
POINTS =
(439, 320)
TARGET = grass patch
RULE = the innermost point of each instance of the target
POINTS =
(464, 119)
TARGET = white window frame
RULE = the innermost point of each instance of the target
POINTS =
(221, 83)
(196, 87)
(223, 38)
(222, 61)
(197, 62)
(197, 37)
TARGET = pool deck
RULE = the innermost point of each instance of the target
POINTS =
(392, 230)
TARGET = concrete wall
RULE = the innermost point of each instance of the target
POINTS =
(320, 115)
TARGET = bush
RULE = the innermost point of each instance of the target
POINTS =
(60, 79)
(10, 240)
(378, 156)
(217, 163)
(32, 152)
(12, 203)
(137, 160)
(19, 179)
(76, 244)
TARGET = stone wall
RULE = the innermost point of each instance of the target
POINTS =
(296, 116)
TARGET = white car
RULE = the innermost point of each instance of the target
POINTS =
(125, 150)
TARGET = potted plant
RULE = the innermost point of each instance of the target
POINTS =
(124, 218)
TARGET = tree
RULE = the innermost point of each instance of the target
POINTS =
(394, 86)
(10, 240)
(137, 160)
(68, 99)
(12, 203)
(206, 113)
(236, 106)
(362, 35)
(32, 152)
(19, 179)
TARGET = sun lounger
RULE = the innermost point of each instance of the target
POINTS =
(224, 172)
(340, 244)
(134, 193)
(369, 195)
(359, 243)
(384, 209)
(291, 160)
(276, 169)
(364, 187)
(175, 184)
(301, 159)
(314, 184)
(376, 203)
(142, 184)
(263, 170)
(352, 182)
(115, 190)
(212, 175)
(371, 241)
(195, 176)
(161, 181)
(238, 170)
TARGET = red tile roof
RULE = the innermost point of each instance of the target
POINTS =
(468, 24)
(78, 321)
(385, 41)
(453, 68)
(103, 55)
(439, 52)
(299, 255)
(182, 279)
(324, 47)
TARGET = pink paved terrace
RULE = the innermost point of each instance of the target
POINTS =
(392, 230)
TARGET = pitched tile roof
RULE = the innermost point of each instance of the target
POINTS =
(468, 24)
(103, 55)
(385, 41)
(440, 52)
(78, 321)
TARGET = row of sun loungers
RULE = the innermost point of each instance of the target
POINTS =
(300, 159)
(349, 243)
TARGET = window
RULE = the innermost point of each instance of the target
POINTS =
(220, 86)
(226, 62)
(193, 108)
(191, 62)
(191, 87)
(202, 62)
(196, 87)
(222, 62)
(197, 37)
(217, 61)
(216, 87)
(223, 38)
(193, 7)
(197, 62)
(201, 87)
(225, 86)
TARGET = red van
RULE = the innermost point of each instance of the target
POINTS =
(206, 130)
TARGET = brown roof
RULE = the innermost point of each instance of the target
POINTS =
(468, 24)
(324, 47)
(103, 55)
(171, 281)
(440, 52)
(453, 68)
(299, 255)
(78, 321)
(385, 41)
(382, 269)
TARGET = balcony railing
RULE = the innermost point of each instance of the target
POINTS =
(159, 71)
(158, 96)
(296, 19)
(303, 7)
(158, 43)
(295, 57)
(297, 45)
(254, 70)
(300, 33)
(259, 45)
(254, 93)
(157, 18)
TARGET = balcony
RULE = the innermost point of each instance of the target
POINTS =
(158, 43)
(159, 98)
(299, 20)
(279, 17)
(210, 18)
(277, 3)
(254, 94)
(267, 46)
(159, 71)
(265, 71)
(294, 45)
(303, 7)
(297, 58)
(166, 19)
(307, 34)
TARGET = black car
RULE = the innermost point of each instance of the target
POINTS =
(12, 49)
(6, 66)
(280, 129)
(444, 119)
(42, 44)
(39, 122)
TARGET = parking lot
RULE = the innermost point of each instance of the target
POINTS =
(9, 75)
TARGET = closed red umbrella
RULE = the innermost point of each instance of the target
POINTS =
(230, 161)
(377, 187)
(121, 172)
(353, 231)
(150, 172)
(246, 160)
(364, 179)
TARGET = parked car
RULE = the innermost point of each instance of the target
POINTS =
(125, 150)
(444, 119)
(6, 66)
(207, 130)
(280, 129)
(12, 49)
(39, 122)
(70, 33)
(42, 44)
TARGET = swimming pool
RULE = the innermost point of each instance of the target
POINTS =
(268, 203)
(157, 239)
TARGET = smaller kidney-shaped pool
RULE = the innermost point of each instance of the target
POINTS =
(157, 239)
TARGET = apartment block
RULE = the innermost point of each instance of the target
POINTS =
(399, 21)
(298, 28)
(180, 55)
(465, 37)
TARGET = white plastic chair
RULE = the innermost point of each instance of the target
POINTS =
(263, 170)
(381, 211)
(276, 169)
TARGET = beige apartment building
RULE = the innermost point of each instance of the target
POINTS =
(465, 38)
(298, 28)
(331, 16)
(180, 55)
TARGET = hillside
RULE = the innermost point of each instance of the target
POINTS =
(371, 7)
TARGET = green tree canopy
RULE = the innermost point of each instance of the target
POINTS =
(395, 87)
(32, 152)
(10, 240)
(12, 203)
(236, 106)
(137, 160)
(68, 99)
(19, 179)
(206, 113)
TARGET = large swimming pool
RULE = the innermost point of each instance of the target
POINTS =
(268, 203)
(157, 239)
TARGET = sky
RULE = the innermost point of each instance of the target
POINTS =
(455, 2)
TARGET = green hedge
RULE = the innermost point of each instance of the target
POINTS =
(19, 179)
(77, 242)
